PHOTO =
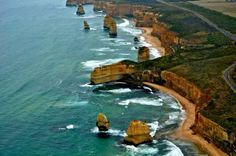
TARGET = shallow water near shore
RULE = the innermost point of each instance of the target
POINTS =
(47, 106)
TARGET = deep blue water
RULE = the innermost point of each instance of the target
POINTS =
(46, 104)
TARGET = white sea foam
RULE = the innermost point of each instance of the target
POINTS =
(127, 27)
(142, 101)
(119, 91)
(173, 117)
(141, 150)
(124, 24)
(111, 131)
(153, 51)
(91, 64)
(124, 54)
(71, 126)
(104, 49)
(153, 127)
(86, 85)
(173, 149)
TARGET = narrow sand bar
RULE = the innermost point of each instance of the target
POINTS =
(184, 132)
(154, 41)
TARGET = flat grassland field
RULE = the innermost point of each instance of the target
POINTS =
(227, 8)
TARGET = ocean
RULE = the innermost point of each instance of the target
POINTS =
(47, 106)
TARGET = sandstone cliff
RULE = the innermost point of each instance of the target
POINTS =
(109, 73)
(167, 37)
(77, 2)
(145, 19)
(210, 130)
(120, 10)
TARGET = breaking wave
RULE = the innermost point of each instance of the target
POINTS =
(142, 101)
(91, 64)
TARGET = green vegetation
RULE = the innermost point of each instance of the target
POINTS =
(223, 21)
(201, 59)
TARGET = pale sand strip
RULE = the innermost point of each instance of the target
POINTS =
(184, 132)
(154, 41)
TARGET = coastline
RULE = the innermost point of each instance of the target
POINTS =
(154, 41)
(184, 132)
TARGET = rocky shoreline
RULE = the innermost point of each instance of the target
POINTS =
(176, 83)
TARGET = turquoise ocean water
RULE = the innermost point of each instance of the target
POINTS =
(47, 106)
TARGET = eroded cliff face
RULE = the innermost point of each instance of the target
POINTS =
(109, 73)
(120, 10)
(145, 19)
(77, 2)
(167, 37)
(207, 128)
(216, 134)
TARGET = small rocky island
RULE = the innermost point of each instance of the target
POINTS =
(138, 133)
(110, 25)
(102, 123)
(86, 26)
(80, 10)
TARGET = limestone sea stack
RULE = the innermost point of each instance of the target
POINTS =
(138, 133)
(80, 10)
(102, 122)
(107, 22)
(136, 39)
(143, 54)
(110, 25)
(86, 25)
(113, 29)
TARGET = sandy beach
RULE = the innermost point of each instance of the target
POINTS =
(184, 132)
(154, 41)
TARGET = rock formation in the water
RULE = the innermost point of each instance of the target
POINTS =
(136, 39)
(107, 22)
(86, 25)
(112, 72)
(102, 122)
(143, 54)
(138, 133)
(113, 29)
(80, 10)
(110, 25)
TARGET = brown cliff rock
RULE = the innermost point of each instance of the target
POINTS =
(138, 133)
(182, 86)
(102, 122)
(145, 19)
(109, 73)
(120, 10)
(77, 2)
(80, 10)
(86, 25)
(143, 54)
(71, 3)
(167, 37)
